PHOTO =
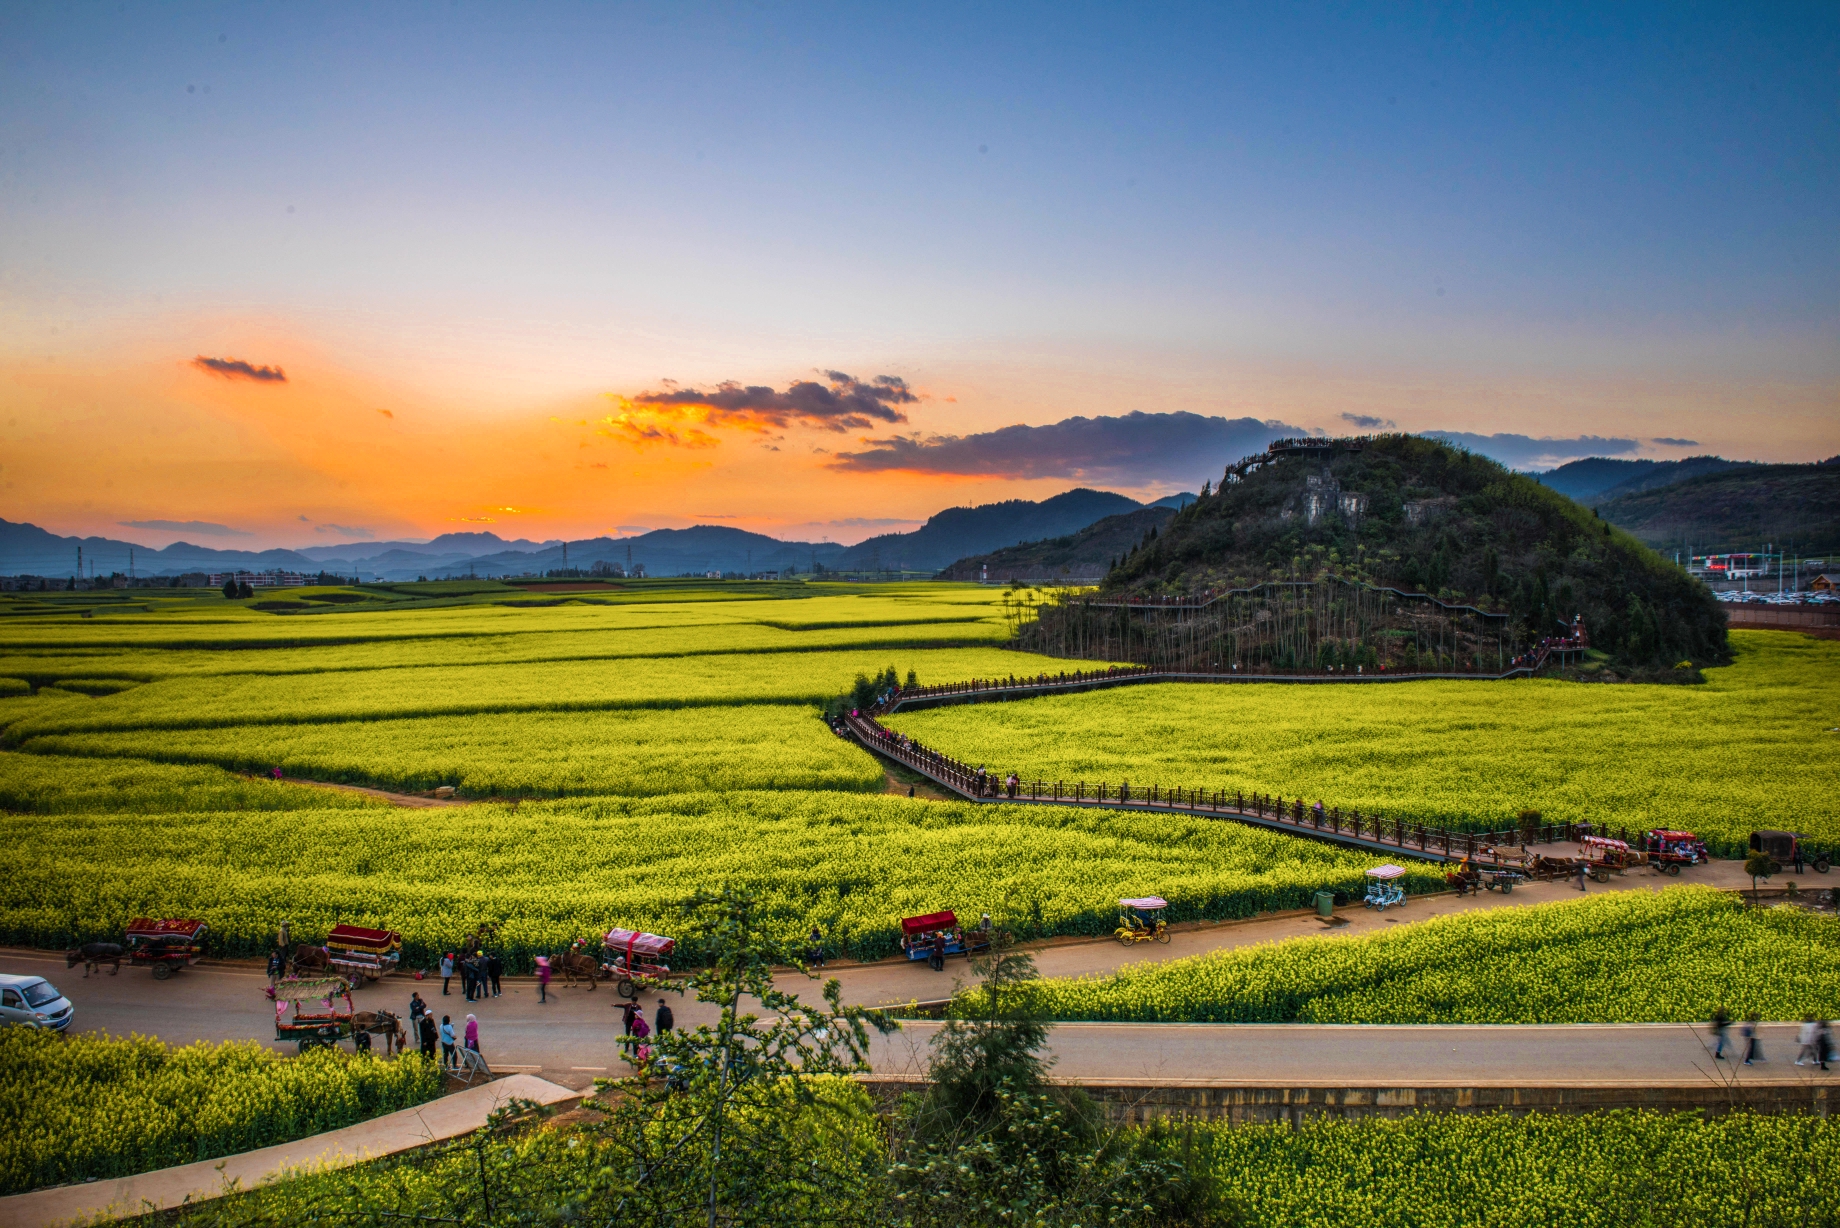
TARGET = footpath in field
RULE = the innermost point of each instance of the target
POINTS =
(434, 1121)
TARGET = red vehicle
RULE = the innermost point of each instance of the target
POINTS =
(1669, 850)
(630, 954)
(164, 946)
(362, 955)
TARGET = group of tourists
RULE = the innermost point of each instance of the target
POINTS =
(632, 1017)
(479, 975)
(427, 1033)
(1815, 1039)
(986, 784)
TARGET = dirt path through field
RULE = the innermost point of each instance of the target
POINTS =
(415, 801)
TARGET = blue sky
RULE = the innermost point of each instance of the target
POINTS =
(1604, 221)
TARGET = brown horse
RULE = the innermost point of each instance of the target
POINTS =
(576, 965)
(380, 1023)
(92, 955)
(310, 959)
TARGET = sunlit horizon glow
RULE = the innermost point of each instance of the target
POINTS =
(314, 278)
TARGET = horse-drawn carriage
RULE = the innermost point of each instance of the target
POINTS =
(165, 946)
(359, 955)
(318, 1023)
(1467, 878)
(631, 956)
(1141, 920)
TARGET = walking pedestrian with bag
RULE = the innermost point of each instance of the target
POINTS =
(1753, 1048)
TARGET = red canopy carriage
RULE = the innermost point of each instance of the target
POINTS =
(634, 953)
(363, 955)
(165, 945)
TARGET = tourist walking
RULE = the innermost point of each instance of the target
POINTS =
(816, 956)
(495, 967)
(448, 1057)
(447, 971)
(277, 962)
(938, 960)
(1823, 1041)
(1747, 1031)
(1581, 873)
(543, 978)
(472, 1033)
(627, 1011)
(640, 1031)
(1720, 1022)
(425, 1032)
(1807, 1038)
(417, 1008)
(666, 1020)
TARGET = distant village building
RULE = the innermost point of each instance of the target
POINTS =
(261, 579)
(1825, 583)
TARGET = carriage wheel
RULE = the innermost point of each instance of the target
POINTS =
(625, 989)
(1821, 865)
(1600, 876)
(161, 971)
(1673, 869)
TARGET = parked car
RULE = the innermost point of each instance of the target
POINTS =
(33, 1002)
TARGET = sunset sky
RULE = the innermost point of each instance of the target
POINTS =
(308, 274)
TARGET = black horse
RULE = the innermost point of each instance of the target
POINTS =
(92, 955)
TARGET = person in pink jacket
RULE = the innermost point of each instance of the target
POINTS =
(542, 978)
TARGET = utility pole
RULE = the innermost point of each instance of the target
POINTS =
(79, 562)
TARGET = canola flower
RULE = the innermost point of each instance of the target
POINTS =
(551, 872)
(1750, 748)
(1629, 957)
(77, 1107)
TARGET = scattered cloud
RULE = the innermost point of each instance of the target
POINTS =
(1676, 443)
(869, 522)
(341, 530)
(1134, 448)
(203, 528)
(1525, 452)
(678, 416)
(1368, 422)
(633, 528)
(386, 413)
(236, 368)
(305, 520)
(472, 520)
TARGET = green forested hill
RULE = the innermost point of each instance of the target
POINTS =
(1794, 508)
(1422, 516)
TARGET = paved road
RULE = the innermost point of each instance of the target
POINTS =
(572, 1038)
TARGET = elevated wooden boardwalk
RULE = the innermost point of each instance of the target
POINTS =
(1371, 832)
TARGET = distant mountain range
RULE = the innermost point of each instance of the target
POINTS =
(1083, 555)
(26, 549)
(1794, 509)
(1600, 477)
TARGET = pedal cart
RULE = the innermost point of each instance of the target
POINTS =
(1142, 920)
(1383, 889)
(634, 954)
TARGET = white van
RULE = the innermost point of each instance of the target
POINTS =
(34, 1002)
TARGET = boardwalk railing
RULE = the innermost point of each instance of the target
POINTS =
(1073, 681)
(1371, 831)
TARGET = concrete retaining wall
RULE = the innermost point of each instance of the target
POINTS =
(1242, 1105)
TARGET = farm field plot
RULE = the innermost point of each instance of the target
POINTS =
(57, 784)
(1745, 750)
(631, 752)
(1589, 1170)
(555, 871)
(373, 694)
(1675, 955)
(79, 1108)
